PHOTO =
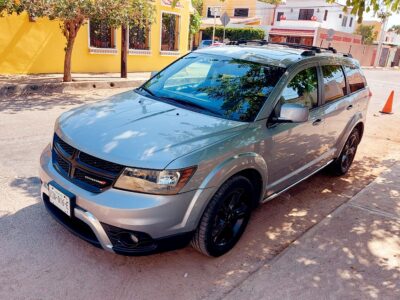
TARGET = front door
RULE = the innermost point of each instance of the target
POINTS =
(295, 150)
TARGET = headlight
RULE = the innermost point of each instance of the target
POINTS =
(166, 182)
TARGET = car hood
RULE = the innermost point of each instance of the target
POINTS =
(134, 130)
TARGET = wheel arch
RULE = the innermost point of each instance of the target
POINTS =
(251, 165)
(357, 122)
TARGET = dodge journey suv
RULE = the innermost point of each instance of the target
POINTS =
(187, 156)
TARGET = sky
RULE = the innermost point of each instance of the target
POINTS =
(393, 20)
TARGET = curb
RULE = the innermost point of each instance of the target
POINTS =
(7, 89)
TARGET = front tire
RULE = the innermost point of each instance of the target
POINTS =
(342, 164)
(225, 217)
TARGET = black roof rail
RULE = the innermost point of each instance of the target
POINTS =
(309, 50)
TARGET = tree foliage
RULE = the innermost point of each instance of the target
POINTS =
(74, 13)
(195, 19)
(358, 7)
(235, 34)
(367, 32)
(395, 29)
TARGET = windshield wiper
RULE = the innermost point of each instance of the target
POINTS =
(147, 91)
(192, 104)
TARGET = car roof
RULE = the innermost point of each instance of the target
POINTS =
(276, 55)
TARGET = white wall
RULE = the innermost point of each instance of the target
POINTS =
(292, 8)
(265, 12)
(392, 38)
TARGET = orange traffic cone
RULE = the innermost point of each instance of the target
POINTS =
(387, 109)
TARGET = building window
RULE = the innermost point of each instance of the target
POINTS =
(344, 21)
(326, 15)
(241, 12)
(280, 14)
(351, 22)
(293, 40)
(213, 9)
(139, 37)
(101, 35)
(306, 14)
(170, 32)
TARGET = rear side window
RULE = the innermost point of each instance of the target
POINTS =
(302, 89)
(355, 78)
(334, 83)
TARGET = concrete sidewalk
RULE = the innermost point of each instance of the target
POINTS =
(45, 83)
(353, 254)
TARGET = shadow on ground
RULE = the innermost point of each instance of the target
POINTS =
(45, 260)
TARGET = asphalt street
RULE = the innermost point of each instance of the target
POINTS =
(39, 259)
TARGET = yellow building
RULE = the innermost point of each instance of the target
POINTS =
(377, 27)
(37, 46)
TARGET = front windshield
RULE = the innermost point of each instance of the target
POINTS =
(229, 88)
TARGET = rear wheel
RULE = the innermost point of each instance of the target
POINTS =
(225, 217)
(343, 163)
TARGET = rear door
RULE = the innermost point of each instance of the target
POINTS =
(337, 107)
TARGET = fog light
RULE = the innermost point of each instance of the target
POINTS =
(134, 238)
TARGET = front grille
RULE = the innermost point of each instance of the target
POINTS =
(99, 163)
(63, 146)
(93, 181)
(62, 164)
(88, 172)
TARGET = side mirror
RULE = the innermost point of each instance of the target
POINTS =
(293, 113)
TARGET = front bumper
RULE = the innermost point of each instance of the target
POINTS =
(107, 219)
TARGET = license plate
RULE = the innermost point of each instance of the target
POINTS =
(60, 200)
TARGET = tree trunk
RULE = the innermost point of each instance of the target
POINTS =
(70, 30)
(68, 59)
(124, 51)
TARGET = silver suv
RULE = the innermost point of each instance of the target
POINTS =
(190, 154)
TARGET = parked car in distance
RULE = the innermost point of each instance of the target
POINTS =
(191, 153)
(205, 44)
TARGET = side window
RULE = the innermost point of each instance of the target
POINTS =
(334, 83)
(355, 78)
(302, 89)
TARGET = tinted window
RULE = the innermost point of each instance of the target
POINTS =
(334, 82)
(306, 14)
(302, 89)
(241, 12)
(230, 88)
(355, 78)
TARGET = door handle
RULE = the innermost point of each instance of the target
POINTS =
(349, 107)
(317, 122)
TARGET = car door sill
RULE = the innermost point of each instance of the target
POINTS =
(290, 186)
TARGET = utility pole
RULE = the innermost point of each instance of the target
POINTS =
(385, 21)
(215, 10)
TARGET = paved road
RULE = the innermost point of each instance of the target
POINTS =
(40, 259)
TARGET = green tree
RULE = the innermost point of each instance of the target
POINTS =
(72, 14)
(275, 3)
(195, 19)
(395, 29)
(367, 33)
(235, 34)
(358, 7)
